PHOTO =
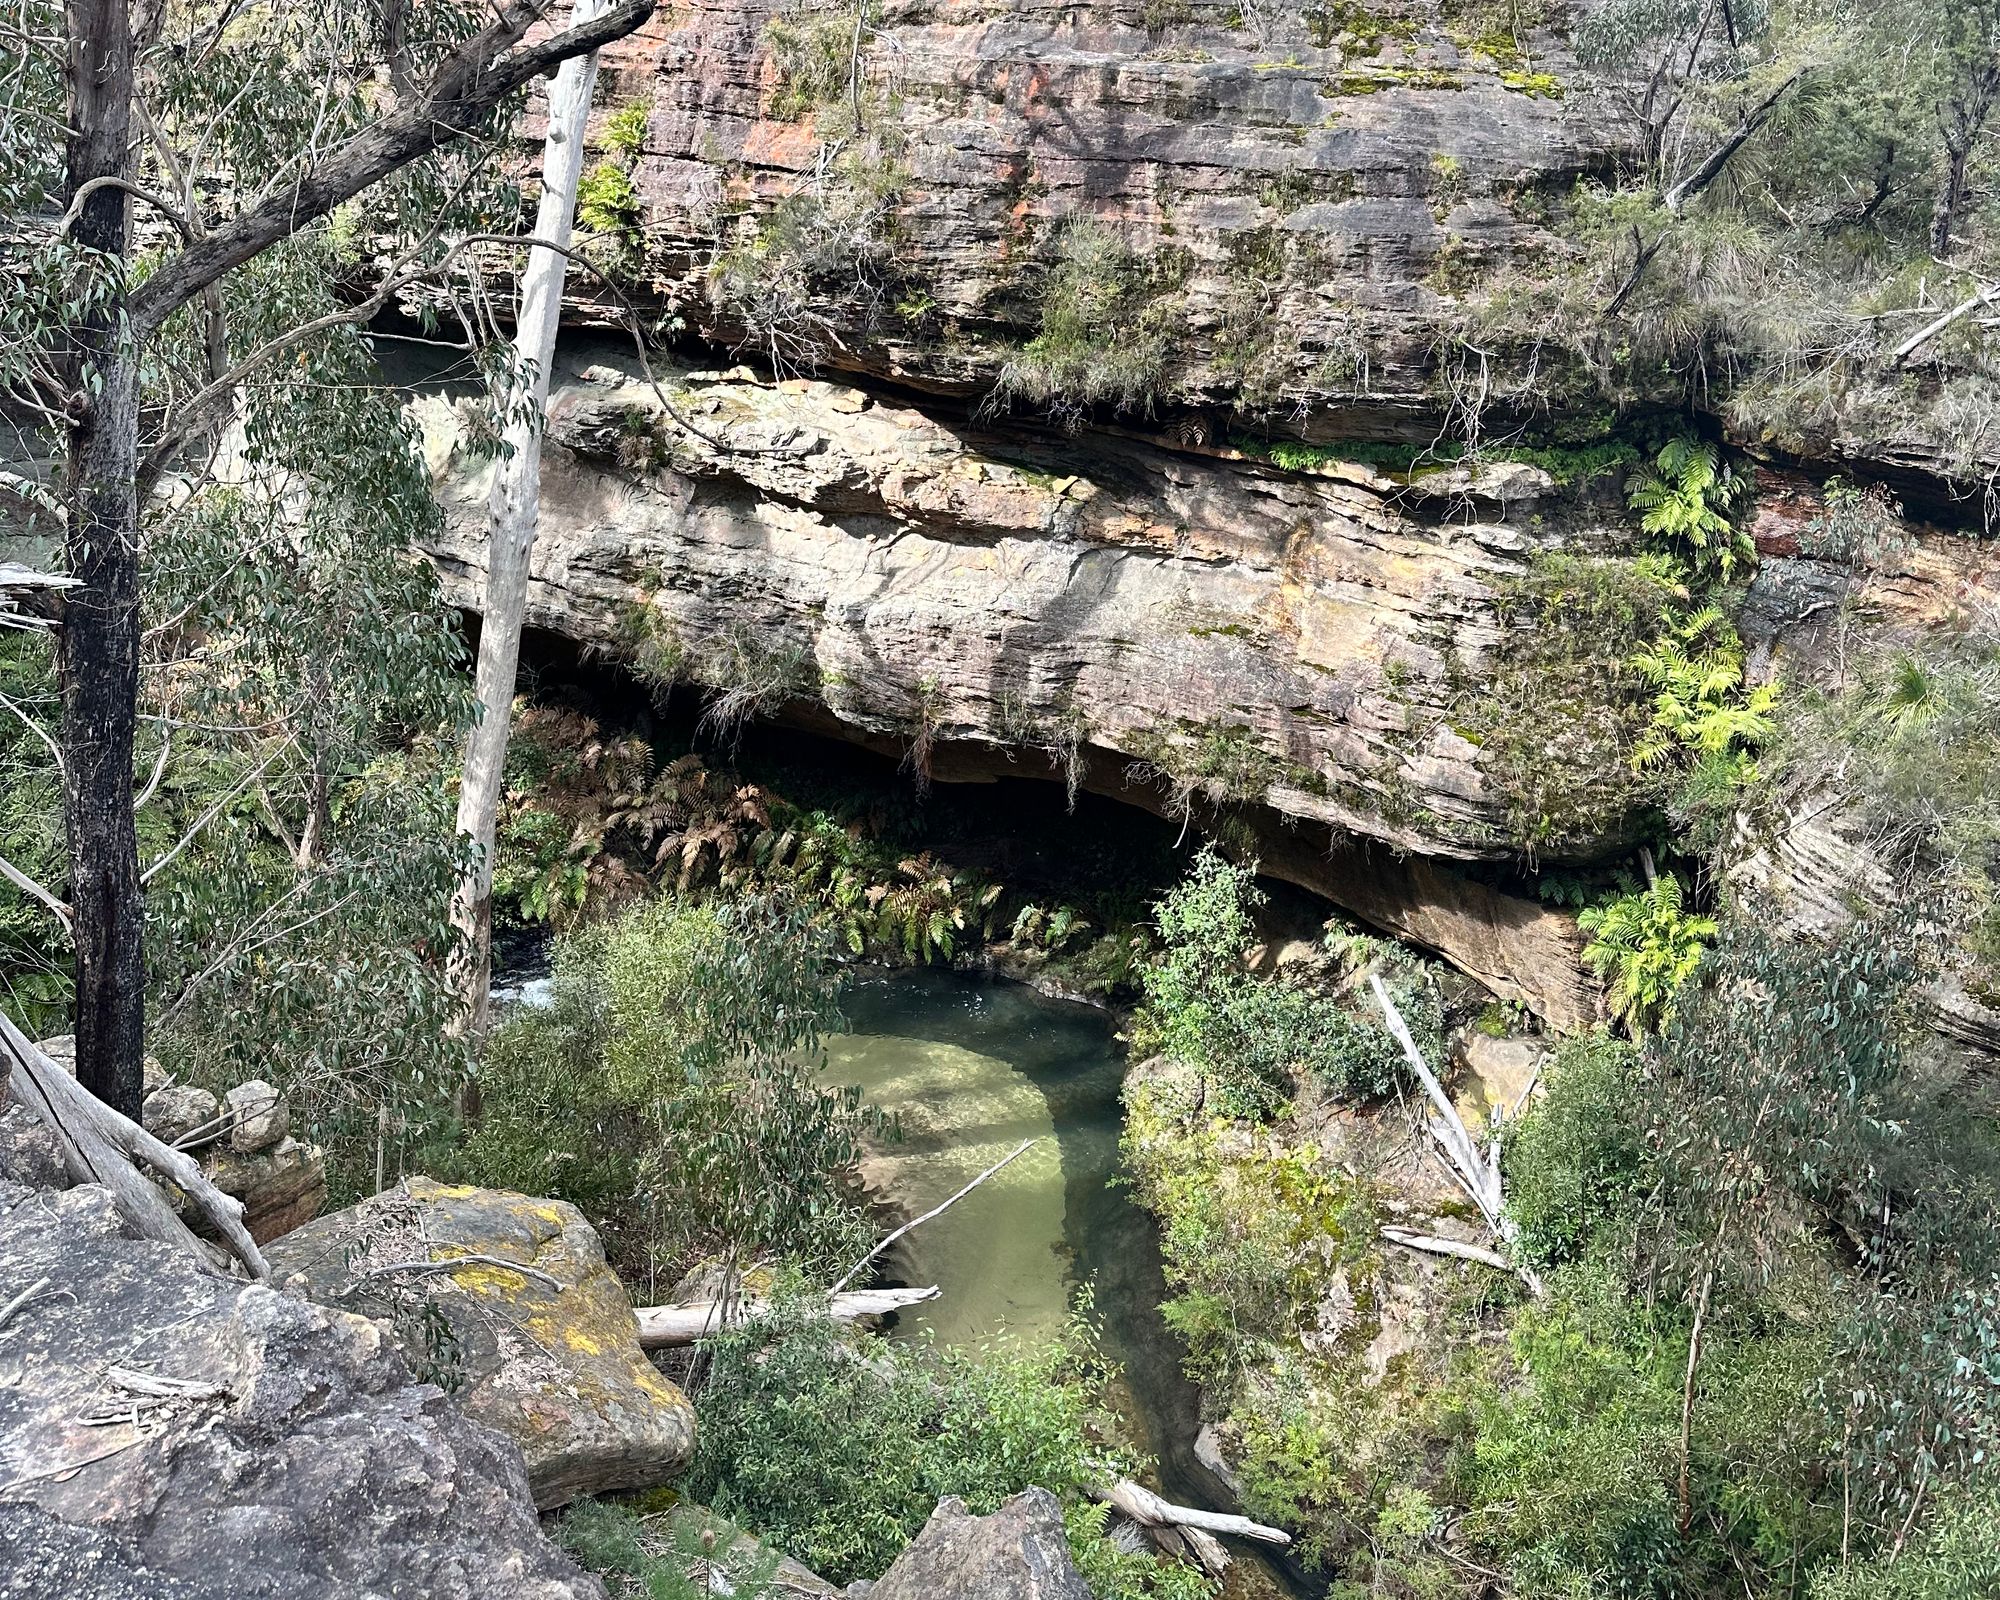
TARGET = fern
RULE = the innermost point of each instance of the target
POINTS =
(1687, 502)
(1646, 944)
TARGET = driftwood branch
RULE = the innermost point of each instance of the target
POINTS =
(1711, 169)
(1937, 325)
(668, 1327)
(1150, 1511)
(891, 1238)
(101, 1145)
(1478, 1172)
(1432, 1244)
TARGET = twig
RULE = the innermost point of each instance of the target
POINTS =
(21, 1299)
(448, 1263)
(1932, 329)
(890, 1239)
(35, 891)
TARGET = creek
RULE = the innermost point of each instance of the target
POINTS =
(970, 1067)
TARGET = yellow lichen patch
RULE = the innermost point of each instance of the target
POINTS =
(583, 1342)
(430, 1189)
(483, 1278)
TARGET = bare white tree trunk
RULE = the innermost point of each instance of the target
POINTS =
(514, 507)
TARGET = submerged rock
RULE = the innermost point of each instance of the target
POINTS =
(538, 1338)
(1017, 1553)
(166, 1432)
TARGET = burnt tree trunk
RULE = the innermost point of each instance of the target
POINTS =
(1963, 120)
(99, 653)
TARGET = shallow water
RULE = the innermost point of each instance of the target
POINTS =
(971, 1067)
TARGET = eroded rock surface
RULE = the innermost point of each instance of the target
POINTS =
(1292, 181)
(540, 1342)
(1017, 1553)
(1169, 627)
(167, 1432)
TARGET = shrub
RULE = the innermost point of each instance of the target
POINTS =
(1249, 1036)
(670, 1090)
(1249, 1229)
(812, 57)
(671, 1556)
(1575, 1161)
(1105, 333)
(1688, 502)
(1648, 945)
(837, 1446)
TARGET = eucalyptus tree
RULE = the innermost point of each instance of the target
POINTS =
(515, 506)
(152, 156)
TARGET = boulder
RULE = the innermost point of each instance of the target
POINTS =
(281, 1188)
(1497, 1071)
(28, 1151)
(541, 1343)
(261, 1117)
(179, 1110)
(1017, 1553)
(171, 1433)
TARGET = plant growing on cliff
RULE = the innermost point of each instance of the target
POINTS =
(812, 54)
(1249, 1037)
(1646, 944)
(1688, 503)
(1106, 329)
(821, 258)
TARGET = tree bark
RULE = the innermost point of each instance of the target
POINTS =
(513, 509)
(98, 653)
(1963, 119)
(668, 1327)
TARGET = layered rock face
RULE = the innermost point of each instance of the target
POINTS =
(1181, 629)
(167, 1432)
(1301, 187)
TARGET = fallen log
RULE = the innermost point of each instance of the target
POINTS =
(1150, 1511)
(1431, 1244)
(666, 1327)
(103, 1146)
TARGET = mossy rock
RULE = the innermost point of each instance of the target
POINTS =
(546, 1351)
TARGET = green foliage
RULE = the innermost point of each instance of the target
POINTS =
(1563, 708)
(823, 253)
(1575, 1162)
(1911, 749)
(670, 1090)
(35, 954)
(624, 132)
(1700, 704)
(607, 204)
(1688, 502)
(1246, 1036)
(811, 51)
(1647, 945)
(838, 1446)
(1956, 1557)
(672, 1555)
(1246, 1232)
(1106, 329)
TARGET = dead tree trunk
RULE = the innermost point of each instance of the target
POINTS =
(98, 653)
(515, 505)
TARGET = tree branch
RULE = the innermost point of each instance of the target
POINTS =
(35, 891)
(1711, 169)
(486, 69)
